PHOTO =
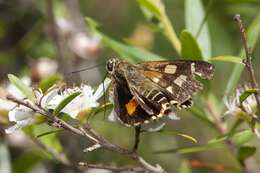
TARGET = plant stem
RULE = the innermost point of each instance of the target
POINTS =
(248, 59)
(90, 134)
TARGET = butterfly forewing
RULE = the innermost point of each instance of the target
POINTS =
(177, 78)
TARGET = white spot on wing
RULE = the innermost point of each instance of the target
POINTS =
(146, 121)
(179, 81)
(192, 67)
(155, 79)
(171, 69)
(169, 88)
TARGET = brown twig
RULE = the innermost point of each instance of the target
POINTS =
(222, 131)
(91, 135)
(110, 167)
(248, 59)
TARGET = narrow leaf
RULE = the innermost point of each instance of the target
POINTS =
(50, 81)
(189, 46)
(180, 134)
(27, 91)
(132, 54)
(151, 6)
(188, 150)
(65, 102)
(48, 133)
(194, 15)
(227, 58)
(239, 137)
(246, 94)
(245, 152)
(188, 137)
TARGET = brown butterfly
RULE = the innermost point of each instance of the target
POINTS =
(147, 91)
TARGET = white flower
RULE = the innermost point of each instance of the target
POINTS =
(87, 99)
(15, 91)
(43, 99)
(234, 106)
(84, 45)
(22, 116)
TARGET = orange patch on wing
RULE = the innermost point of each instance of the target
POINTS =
(131, 107)
(152, 74)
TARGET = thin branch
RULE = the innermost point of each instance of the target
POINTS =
(248, 59)
(222, 131)
(137, 138)
(90, 135)
(110, 167)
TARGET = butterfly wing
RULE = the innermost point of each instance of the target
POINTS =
(122, 98)
(177, 78)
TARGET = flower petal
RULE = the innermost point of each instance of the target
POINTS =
(20, 113)
(45, 100)
(19, 125)
(6, 105)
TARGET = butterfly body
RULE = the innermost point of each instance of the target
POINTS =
(147, 91)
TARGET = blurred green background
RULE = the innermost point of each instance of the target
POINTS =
(28, 38)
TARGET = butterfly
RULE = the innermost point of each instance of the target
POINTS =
(147, 91)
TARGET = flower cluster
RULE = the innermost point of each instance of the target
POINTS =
(248, 106)
(23, 116)
(245, 109)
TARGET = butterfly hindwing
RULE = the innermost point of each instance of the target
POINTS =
(122, 97)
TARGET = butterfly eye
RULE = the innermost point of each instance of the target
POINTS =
(110, 66)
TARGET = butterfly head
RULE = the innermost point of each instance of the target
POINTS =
(111, 64)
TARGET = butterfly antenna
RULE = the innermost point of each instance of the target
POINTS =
(88, 68)
(104, 97)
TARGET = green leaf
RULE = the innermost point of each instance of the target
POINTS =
(102, 108)
(245, 152)
(93, 25)
(45, 84)
(189, 46)
(50, 140)
(194, 16)
(188, 150)
(187, 137)
(5, 162)
(49, 133)
(65, 102)
(27, 91)
(252, 34)
(130, 53)
(180, 134)
(227, 58)
(242, 1)
(246, 94)
(185, 168)
(154, 9)
(239, 137)
(151, 6)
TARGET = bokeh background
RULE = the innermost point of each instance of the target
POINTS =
(39, 39)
